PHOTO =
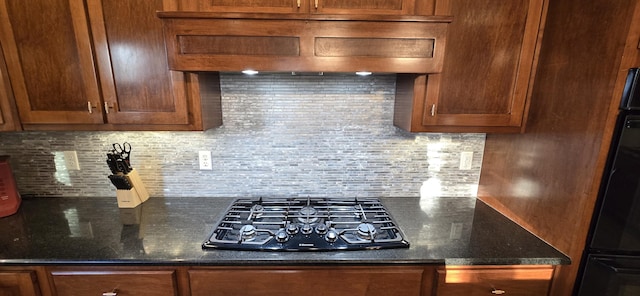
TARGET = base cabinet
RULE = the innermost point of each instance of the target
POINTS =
(355, 281)
(471, 281)
(338, 280)
(18, 283)
(71, 282)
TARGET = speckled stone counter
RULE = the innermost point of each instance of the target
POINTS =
(170, 231)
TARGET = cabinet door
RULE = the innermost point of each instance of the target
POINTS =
(267, 6)
(124, 283)
(293, 282)
(8, 118)
(487, 67)
(137, 85)
(363, 6)
(18, 283)
(50, 62)
(469, 281)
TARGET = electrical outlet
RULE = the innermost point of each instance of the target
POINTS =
(71, 160)
(466, 159)
(205, 160)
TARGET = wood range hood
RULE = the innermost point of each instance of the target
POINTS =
(203, 41)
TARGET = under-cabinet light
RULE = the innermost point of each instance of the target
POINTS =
(250, 72)
(363, 73)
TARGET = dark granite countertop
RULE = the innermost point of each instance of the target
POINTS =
(170, 231)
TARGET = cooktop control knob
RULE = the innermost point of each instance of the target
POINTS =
(321, 229)
(282, 236)
(292, 229)
(331, 236)
(306, 229)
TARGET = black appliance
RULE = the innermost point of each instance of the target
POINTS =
(611, 263)
(306, 224)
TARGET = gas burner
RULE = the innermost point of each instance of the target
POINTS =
(248, 232)
(366, 231)
(308, 215)
(256, 211)
(306, 224)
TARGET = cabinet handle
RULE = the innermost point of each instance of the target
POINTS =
(298, 2)
(316, 3)
(433, 110)
(107, 107)
(112, 293)
(498, 292)
(90, 107)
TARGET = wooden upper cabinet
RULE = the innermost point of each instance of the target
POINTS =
(388, 7)
(18, 283)
(137, 86)
(95, 65)
(49, 59)
(8, 117)
(488, 67)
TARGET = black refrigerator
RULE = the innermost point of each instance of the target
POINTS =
(611, 261)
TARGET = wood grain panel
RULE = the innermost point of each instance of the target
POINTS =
(239, 45)
(363, 6)
(319, 281)
(522, 281)
(49, 60)
(547, 178)
(18, 283)
(271, 6)
(374, 47)
(8, 117)
(125, 283)
(308, 31)
(137, 84)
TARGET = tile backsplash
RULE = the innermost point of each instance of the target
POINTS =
(283, 135)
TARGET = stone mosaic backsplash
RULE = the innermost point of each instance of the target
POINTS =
(283, 135)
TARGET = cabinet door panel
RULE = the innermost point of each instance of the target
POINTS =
(18, 283)
(494, 281)
(363, 6)
(124, 283)
(268, 6)
(49, 59)
(137, 84)
(488, 64)
(325, 282)
(8, 118)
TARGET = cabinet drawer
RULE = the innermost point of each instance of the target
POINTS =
(124, 283)
(18, 283)
(294, 282)
(525, 281)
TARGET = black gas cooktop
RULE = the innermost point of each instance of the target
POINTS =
(306, 224)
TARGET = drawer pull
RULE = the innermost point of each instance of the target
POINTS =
(498, 292)
(113, 292)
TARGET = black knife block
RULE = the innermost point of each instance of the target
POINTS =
(131, 198)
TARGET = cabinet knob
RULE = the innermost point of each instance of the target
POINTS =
(498, 292)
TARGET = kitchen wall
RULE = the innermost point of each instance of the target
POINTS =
(283, 135)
